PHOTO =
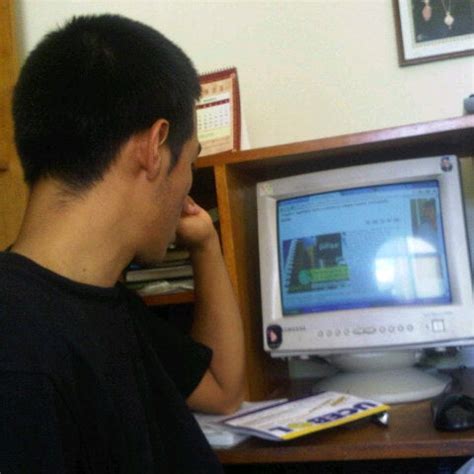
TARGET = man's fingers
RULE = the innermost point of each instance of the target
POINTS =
(190, 207)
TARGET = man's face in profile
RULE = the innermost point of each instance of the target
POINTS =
(171, 193)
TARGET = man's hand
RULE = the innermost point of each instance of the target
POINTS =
(216, 321)
(195, 228)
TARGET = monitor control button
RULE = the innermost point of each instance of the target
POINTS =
(400, 328)
(337, 332)
(382, 329)
(391, 328)
(370, 330)
(437, 325)
(328, 333)
(320, 334)
(410, 328)
(358, 331)
(346, 332)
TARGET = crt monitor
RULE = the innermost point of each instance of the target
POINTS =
(367, 265)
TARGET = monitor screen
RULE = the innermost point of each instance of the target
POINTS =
(360, 248)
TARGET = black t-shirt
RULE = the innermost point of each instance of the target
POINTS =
(92, 382)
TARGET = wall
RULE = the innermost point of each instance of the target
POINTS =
(307, 69)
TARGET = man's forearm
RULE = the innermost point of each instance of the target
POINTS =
(217, 322)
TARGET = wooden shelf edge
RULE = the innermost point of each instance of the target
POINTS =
(435, 127)
(172, 298)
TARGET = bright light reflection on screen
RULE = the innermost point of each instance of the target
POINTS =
(364, 247)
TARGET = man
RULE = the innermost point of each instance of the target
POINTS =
(90, 381)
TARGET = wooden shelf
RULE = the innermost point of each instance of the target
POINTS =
(8, 74)
(229, 180)
(173, 298)
(454, 135)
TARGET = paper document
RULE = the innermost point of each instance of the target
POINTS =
(218, 435)
(292, 419)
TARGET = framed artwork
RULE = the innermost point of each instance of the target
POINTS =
(431, 30)
(218, 112)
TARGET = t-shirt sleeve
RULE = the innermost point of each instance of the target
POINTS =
(35, 429)
(184, 359)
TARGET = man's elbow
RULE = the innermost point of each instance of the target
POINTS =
(230, 404)
(212, 397)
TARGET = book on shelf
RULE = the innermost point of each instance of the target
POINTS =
(163, 287)
(291, 419)
(175, 264)
(174, 254)
(159, 273)
(164, 264)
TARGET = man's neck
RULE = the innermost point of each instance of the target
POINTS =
(82, 238)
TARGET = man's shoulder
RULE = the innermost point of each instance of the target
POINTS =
(16, 270)
(25, 283)
(28, 333)
(19, 289)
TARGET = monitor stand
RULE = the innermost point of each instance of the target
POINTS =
(388, 377)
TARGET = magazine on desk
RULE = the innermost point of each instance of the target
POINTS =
(291, 419)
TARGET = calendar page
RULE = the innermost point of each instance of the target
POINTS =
(218, 112)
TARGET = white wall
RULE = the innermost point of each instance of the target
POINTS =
(307, 69)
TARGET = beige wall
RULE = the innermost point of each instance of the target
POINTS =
(307, 69)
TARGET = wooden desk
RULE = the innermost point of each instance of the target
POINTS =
(409, 435)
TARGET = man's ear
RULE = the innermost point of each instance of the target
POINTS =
(158, 153)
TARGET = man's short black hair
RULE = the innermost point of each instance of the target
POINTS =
(88, 87)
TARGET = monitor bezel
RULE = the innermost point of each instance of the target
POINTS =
(356, 329)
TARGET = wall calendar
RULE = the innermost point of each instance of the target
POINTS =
(218, 112)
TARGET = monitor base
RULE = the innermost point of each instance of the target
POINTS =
(386, 384)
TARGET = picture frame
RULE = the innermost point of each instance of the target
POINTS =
(433, 30)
